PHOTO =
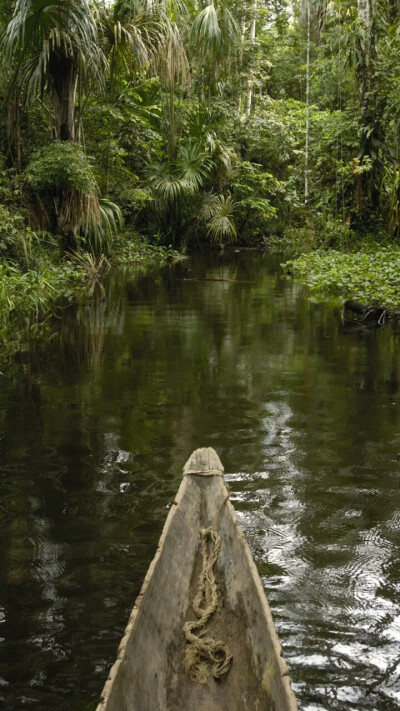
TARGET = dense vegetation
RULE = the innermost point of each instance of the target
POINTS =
(192, 124)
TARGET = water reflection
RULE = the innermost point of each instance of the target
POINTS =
(82, 333)
(95, 427)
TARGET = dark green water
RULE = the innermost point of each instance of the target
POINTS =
(96, 426)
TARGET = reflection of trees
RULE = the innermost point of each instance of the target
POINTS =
(206, 345)
(82, 333)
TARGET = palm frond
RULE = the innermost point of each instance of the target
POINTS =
(167, 187)
(217, 211)
(206, 32)
(61, 23)
(172, 59)
(175, 9)
(193, 164)
(42, 30)
(214, 32)
(95, 266)
(103, 221)
(137, 40)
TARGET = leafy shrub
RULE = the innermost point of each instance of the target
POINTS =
(58, 166)
(323, 231)
(65, 197)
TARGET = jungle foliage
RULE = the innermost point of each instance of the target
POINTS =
(197, 123)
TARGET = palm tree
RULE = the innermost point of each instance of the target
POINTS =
(214, 35)
(13, 142)
(61, 49)
(54, 46)
(142, 33)
(133, 35)
(172, 184)
(174, 68)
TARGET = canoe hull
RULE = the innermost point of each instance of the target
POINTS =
(148, 674)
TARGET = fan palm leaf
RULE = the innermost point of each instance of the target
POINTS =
(193, 164)
(167, 187)
(218, 212)
(172, 182)
(198, 122)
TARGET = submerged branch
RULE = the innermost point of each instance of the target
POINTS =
(371, 314)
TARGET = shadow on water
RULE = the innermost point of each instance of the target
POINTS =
(95, 428)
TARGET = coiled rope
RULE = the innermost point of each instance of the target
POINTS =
(202, 652)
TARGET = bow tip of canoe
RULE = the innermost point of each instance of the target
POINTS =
(204, 461)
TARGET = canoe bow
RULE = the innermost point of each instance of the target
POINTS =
(148, 674)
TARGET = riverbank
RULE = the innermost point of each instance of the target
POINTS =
(370, 274)
(39, 281)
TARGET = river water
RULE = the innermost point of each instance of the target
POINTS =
(96, 424)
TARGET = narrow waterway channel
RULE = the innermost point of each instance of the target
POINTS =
(96, 425)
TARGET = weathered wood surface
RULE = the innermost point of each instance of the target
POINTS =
(148, 673)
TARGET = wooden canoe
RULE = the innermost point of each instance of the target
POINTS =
(149, 674)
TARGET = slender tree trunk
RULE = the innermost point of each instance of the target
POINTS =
(78, 117)
(172, 123)
(307, 146)
(250, 79)
(371, 129)
(241, 92)
(363, 12)
(14, 139)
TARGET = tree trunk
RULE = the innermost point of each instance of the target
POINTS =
(371, 129)
(307, 146)
(62, 70)
(14, 139)
(250, 80)
(172, 123)
(363, 12)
